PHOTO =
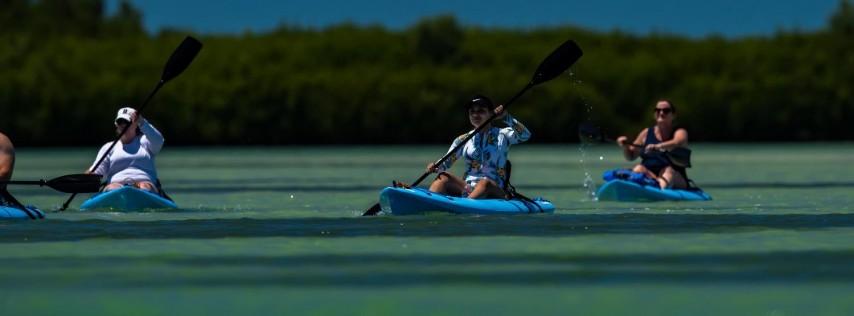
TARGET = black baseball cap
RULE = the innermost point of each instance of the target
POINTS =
(481, 101)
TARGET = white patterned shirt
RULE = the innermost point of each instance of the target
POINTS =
(486, 153)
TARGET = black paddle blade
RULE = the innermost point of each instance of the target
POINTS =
(374, 210)
(181, 58)
(589, 133)
(558, 62)
(76, 183)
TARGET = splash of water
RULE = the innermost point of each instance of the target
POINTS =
(588, 184)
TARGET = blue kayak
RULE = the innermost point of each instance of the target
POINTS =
(127, 199)
(400, 201)
(627, 191)
(8, 212)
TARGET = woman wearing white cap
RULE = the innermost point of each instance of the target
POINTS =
(131, 162)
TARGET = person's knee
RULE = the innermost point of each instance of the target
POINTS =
(639, 169)
(442, 177)
(671, 174)
(113, 186)
(487, 188)
(441, 183)
(674, 179)
(145, 185)
(7, 165)
(482, 183)
(6, 171)
(486, 183)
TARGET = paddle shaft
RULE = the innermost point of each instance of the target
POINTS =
(678, 156)
(118, 138)
(472, 134)
(33, 182)
(609, 140)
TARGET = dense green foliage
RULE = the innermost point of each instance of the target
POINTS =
(67, 67)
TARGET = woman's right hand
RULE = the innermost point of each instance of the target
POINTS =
(431, 167)
(135, 118)
(622, 141)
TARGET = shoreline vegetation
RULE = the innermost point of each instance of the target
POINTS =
(68, 67)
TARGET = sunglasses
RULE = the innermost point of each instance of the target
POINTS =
(664, 111)
(122, 122)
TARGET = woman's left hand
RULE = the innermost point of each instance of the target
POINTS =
(652, 147)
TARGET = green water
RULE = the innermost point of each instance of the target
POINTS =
(277, 231)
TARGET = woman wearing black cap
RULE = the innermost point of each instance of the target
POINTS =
(485, 154)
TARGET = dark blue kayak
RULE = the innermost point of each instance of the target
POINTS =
(127, 199)
(627, 191)
(8, 212)
(400, 201)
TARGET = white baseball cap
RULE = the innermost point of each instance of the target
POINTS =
(125, 114)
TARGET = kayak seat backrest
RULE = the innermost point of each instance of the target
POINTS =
(161, 192)
(511, 191)
(508, 168)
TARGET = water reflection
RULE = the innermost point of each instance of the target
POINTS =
(419, 226)
(382, 270)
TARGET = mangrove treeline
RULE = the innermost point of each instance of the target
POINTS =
(67, 66)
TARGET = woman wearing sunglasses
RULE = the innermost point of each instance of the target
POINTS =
(655, 141)
(131, 162)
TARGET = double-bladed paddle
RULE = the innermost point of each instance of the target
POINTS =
(177, 63)
(679, 156)
(555, 64)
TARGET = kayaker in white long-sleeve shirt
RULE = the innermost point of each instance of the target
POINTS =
(131, 162)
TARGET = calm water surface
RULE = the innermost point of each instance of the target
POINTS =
(276, 230)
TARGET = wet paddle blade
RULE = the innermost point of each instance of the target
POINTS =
(373, 210)
(558, 62)
(76, 183)
(181, 58)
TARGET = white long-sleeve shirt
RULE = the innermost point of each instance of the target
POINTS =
(133, 161)
(486, 152)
